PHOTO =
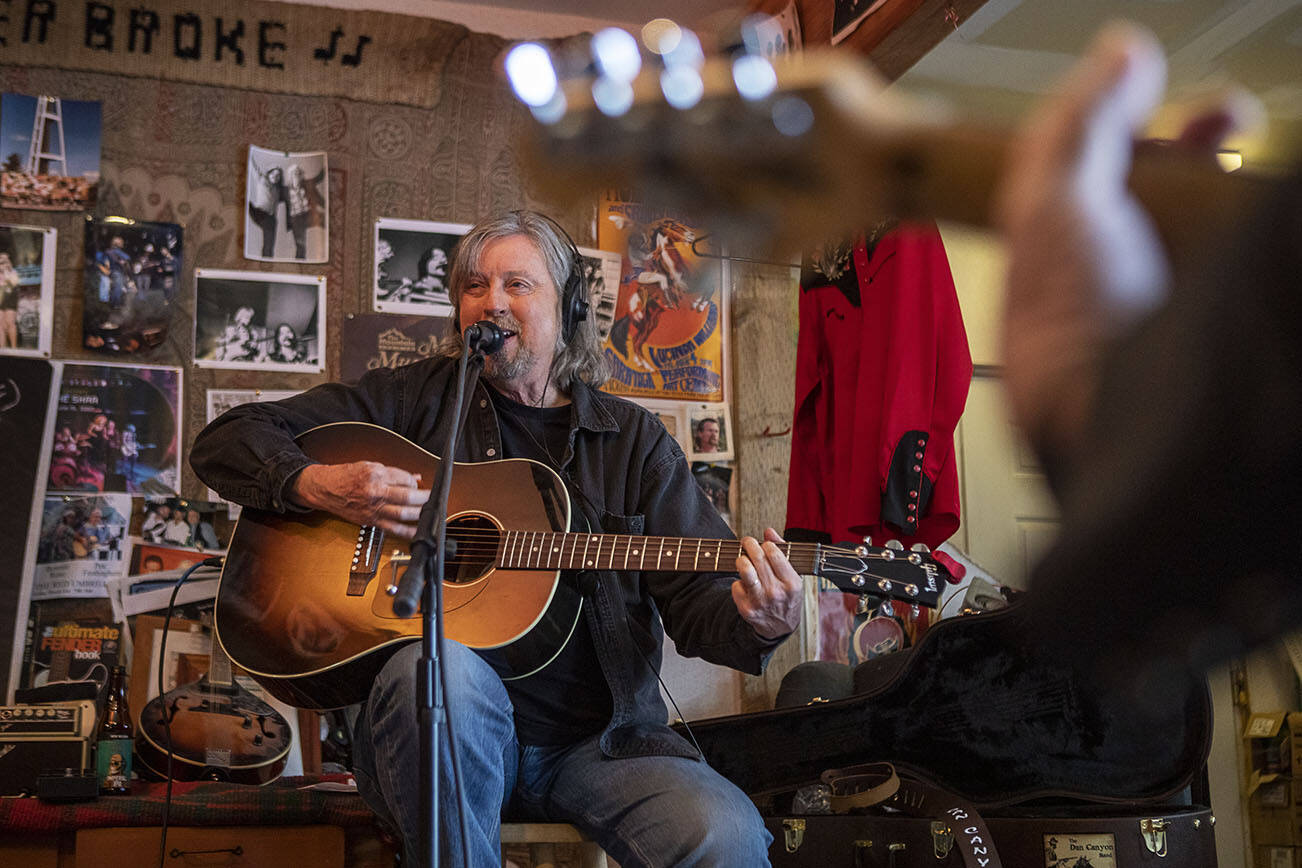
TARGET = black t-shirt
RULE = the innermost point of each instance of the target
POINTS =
(569, 699)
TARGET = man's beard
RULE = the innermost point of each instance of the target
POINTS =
(503, 369)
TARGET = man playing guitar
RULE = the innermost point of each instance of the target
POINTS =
(582, 740)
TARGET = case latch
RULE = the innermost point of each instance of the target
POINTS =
(1153, 831)
(793, 834)
(942, 838)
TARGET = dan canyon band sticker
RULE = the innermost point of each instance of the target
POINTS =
(1080, 851)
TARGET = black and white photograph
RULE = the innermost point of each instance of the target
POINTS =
(412, 262)
(133, 272)
(26, 289)
(601, 270)
(287, 218)
(711, 440)
(253, 320)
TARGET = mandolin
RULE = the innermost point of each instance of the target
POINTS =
(219, 730)
(303, 605)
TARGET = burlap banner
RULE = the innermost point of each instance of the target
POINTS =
(315, 50)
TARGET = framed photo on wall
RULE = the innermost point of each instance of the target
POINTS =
(256, 320)
(412, 261)
(133, 273)
(287, 218)
(26, 289)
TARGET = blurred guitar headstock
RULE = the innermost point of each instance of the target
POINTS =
(789, 151)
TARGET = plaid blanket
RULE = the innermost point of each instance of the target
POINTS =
(196, 803)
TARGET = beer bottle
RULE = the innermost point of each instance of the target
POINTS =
(113, 738)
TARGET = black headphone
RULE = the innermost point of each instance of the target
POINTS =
(574, 295)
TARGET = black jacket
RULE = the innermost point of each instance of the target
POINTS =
(634, 480)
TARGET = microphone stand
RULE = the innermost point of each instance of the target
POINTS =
(423, 580)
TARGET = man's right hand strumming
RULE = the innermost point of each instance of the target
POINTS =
(363, 492)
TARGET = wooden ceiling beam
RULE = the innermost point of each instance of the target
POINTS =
(894, 37)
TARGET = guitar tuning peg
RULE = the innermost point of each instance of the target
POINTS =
(867, 540)
(895, 545)
(921, 548)
(887, 609)
(915, 610)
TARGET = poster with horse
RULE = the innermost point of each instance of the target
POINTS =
(669, 333)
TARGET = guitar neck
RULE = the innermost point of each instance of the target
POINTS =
(528, 550)
(861, 153)
(909, 576)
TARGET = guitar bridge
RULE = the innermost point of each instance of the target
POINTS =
(366, 559)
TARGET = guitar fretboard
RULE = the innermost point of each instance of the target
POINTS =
(541, 550)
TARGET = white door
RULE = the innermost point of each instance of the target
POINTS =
(1009, 517)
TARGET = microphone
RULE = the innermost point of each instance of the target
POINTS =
(486, 337)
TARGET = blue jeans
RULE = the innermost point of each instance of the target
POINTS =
(643, 811)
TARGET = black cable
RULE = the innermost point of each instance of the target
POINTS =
(687, 726)
(167, 720)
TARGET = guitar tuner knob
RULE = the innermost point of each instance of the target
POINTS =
(867, 540)
(921, 548)
(391, 590)
(895, 545)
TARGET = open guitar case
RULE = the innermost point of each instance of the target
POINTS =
(974, 748)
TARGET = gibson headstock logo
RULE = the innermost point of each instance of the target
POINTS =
(932, 578)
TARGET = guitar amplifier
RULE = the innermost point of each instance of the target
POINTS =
(40, 738)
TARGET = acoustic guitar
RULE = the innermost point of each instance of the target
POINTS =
(219, 730)
(304, 604)
(825, 151)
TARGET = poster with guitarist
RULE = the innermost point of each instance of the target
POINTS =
(670, 320)
(82, 543)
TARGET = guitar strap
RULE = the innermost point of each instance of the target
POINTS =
(872, 784)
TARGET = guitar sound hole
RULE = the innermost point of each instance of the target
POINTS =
(476, 553)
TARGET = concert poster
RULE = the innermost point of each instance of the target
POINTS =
(26, 289)
(117, 428)
(668, 336)
(412, 261)
(49, 152)
(380, 340)
(221, 400)
(82, 544)
(287, 213)
(133, 273)
(260, 321)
